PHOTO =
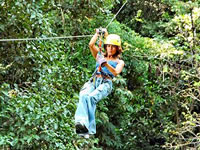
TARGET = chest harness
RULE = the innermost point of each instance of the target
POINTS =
(99, 69)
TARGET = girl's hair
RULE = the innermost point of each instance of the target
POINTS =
(117, 54)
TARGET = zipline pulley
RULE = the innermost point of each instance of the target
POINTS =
(101, 31)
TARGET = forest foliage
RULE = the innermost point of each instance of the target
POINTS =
(155, 103)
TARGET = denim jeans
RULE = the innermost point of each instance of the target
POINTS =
(90, 94)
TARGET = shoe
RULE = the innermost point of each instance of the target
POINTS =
(81, 128)
(87, 136)
(84, 135)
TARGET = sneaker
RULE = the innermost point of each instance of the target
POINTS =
(84, 135)
(87, 136)
(81, 128)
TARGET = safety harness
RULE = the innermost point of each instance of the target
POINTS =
(101, 33)
(100, 44)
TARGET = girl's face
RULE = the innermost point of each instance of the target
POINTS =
(111, 49)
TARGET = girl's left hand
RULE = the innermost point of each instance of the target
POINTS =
(106, 33)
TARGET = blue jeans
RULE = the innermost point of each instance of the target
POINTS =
(90, 94)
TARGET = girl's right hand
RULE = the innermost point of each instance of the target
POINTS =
(97, 32)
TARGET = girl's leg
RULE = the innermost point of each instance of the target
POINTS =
(94, 97)
(81, 115)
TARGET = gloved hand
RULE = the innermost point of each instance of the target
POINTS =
(102, 31)
(100, 59)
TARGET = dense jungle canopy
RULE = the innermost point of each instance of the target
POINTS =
(155, 103)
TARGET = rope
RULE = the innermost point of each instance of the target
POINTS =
(116, 14)
(45, 38)
(64, 37)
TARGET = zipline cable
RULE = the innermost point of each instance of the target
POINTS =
(64, 37)
(116, 14)
(45, 38)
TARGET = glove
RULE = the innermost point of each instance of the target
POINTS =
(100, 59)
(102, 31)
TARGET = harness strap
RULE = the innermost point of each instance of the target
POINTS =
(99, 69)
(100, 49)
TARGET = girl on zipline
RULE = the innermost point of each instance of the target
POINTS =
(99, 86)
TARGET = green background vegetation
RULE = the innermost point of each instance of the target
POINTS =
(155, 103)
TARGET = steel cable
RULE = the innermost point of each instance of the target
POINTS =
(64, 37)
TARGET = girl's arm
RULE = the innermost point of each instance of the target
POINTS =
(117, 70)
(93, 48)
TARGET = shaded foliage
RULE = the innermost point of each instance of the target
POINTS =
(155, 101)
